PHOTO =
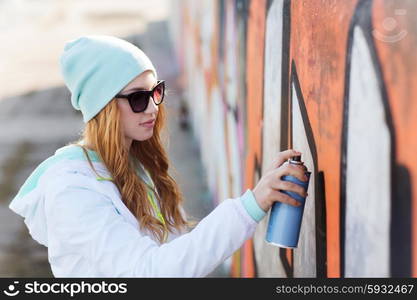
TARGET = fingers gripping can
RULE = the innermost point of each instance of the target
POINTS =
(285, 220)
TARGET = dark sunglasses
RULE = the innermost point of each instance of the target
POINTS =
(139, 100)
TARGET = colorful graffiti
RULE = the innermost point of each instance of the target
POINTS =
(333, 79)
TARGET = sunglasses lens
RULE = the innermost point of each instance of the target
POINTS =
(158, 93)
(139, 102)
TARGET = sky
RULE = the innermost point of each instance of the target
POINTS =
(33, 34)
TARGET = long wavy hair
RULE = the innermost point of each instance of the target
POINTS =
(104, 135)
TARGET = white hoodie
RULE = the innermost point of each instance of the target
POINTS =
(90, 232)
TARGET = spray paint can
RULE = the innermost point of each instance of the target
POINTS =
(285, 220)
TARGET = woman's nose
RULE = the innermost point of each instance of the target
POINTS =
(151, 106)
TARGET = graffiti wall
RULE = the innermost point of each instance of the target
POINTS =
(334, 79)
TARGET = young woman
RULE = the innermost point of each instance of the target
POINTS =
(105, 205)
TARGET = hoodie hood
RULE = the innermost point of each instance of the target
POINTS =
(29, 201)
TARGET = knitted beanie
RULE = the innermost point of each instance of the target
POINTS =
(97, 67)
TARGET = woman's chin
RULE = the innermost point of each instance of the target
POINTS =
(144, 137)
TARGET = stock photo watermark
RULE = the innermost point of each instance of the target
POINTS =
(392, 31)
(70, 289)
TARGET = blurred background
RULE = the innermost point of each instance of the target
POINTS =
(36, 116)
(334, 79)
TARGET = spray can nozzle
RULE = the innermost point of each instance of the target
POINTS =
(296, 160)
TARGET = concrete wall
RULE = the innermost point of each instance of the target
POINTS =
(334, 79)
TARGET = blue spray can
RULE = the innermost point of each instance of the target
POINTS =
(285, 220)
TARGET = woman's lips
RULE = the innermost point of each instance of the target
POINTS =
(149, 124)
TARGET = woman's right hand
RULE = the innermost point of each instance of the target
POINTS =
(267, 192)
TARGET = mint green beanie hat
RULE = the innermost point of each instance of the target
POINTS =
(97, 67)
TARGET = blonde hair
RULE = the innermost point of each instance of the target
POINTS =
(104, 135)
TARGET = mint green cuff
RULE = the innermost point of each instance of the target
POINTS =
(251, 206)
